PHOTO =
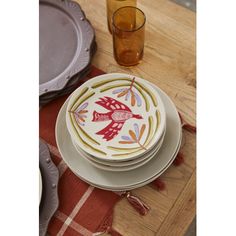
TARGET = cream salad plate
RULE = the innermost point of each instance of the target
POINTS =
(120, 167)
(122, 163)
(130, 179)
(115, 117)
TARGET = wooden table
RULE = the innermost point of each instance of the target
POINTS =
(169, 62)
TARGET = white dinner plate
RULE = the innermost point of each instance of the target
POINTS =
(146, 181)
(116, 180)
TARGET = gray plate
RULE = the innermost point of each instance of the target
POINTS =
(49, 201)
(70, 86)
(65, 39)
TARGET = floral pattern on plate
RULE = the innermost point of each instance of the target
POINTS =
(129, 93)
(134, 136)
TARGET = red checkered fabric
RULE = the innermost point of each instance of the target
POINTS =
(83, 209)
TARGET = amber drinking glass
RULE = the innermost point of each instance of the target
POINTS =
(128, 30)
(113, 5)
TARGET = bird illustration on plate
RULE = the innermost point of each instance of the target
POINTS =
(118, 113)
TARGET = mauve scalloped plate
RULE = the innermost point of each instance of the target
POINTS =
(72, 83)
(49, 200)
(65, 39)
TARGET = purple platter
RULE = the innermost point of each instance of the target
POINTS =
(50, 176)
(66, 39)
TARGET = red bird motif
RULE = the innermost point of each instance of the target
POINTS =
(118, 114)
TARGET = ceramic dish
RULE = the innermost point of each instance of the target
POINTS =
(116, 117)
(139, 185)
(44, 99)
(73, 80)
(129, 179)
(65, 39)
(125, 167)
(71, 85)
(50, 176)
(122, 163)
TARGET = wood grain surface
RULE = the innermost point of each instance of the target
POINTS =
(169, 62)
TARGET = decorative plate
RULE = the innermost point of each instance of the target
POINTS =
(127, 180)
(72, 83)
(50, 176)
(65, 39)
(116, 117)
(120, 163)
(146, 181)
(110, 167)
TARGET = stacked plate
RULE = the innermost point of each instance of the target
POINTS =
(66, 47)
(118, 132)
(117, 124)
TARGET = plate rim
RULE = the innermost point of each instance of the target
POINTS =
(128, 167)
(139, 185)
(130, 162)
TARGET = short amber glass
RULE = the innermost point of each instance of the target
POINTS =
(113, 5)
(128, 30)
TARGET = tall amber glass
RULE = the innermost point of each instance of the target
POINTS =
(128, 30)
(113, 5)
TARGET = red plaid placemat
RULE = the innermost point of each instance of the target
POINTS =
(83, 209)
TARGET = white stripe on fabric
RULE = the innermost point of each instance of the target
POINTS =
(74, 225)
(62, 167)
(76, 209)
(54, 150)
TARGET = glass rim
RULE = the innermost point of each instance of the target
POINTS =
(133, 30)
